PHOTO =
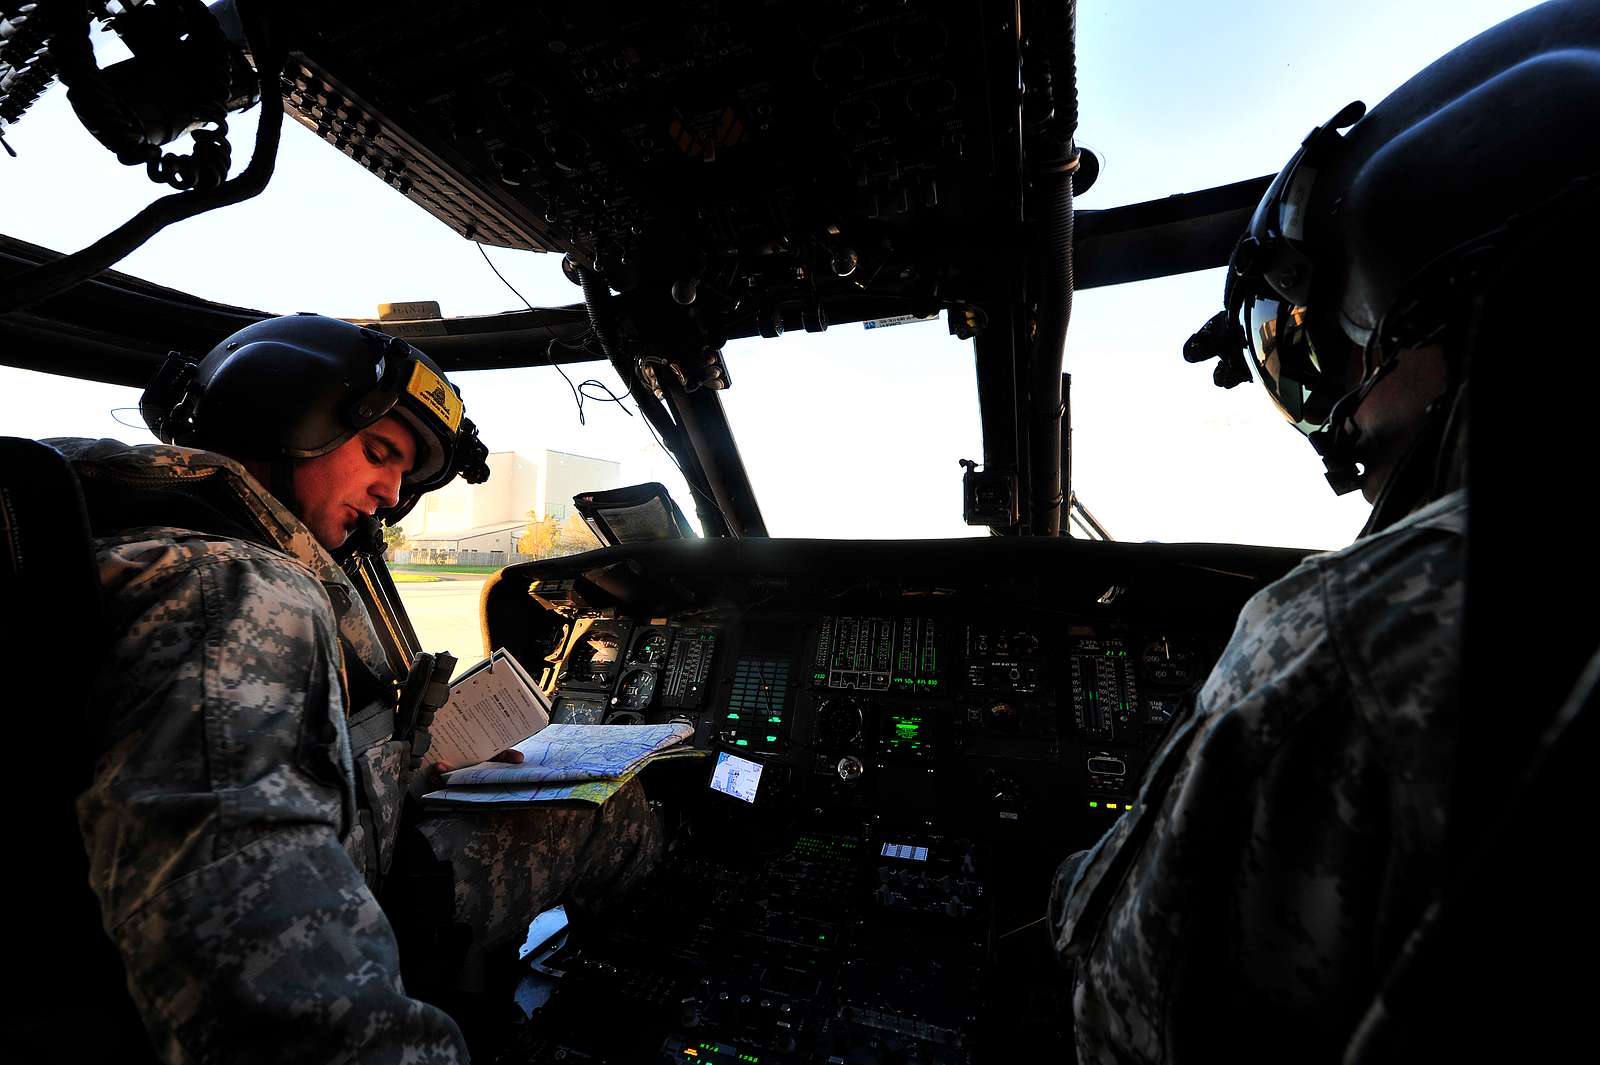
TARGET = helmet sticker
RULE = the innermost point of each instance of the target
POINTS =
(438, 397)
(1295, 200)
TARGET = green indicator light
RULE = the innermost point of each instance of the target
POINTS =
(741, 743)
(779, 720)
(821, 938)
(733, 717)
(772, 739)
(1094, 806)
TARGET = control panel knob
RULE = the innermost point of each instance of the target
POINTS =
(850, 767)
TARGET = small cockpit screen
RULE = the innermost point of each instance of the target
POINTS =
(600, 650)
(905, 850)
(736, 776)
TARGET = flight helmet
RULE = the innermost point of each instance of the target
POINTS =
(1384, 225)
(299, 386)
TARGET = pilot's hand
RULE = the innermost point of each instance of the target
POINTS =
(511, 756)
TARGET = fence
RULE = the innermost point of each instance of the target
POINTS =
(430, 556)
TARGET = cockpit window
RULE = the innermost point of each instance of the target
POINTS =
(847, 433)
(1161, 453)
(857, 432)
(1178, 97)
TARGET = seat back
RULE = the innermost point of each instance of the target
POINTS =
(65, 980)
(1501, 968)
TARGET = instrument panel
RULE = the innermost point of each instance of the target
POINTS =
(904, 740)
(1049, 707)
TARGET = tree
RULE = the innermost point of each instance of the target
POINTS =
(549, 538)
(542, 537)
(394, 537)
(576, 535)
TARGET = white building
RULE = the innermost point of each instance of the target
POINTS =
(490, 516)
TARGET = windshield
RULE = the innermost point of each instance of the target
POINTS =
(847, 433)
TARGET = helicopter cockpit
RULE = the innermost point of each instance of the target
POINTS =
(903, 735)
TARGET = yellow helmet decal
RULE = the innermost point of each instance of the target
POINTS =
(438, 397)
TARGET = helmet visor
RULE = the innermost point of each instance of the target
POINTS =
(1285, 363)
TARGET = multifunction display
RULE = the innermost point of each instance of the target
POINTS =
(877, 654)
(757, 712)
(1105, 691)
(688, 668)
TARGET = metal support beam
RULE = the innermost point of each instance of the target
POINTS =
(995, 359)
(117, 328)
(1159, 238)
(705, 425)
(1066, 444)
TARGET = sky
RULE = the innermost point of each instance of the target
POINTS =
(847, 433)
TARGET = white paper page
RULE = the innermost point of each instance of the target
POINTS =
(490, 709)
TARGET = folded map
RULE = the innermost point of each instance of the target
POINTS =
(567, 762)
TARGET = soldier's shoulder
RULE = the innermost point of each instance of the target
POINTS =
(1421, 552)
(1414, 543)
(1413, 568)
(122, 471)
(142, 561)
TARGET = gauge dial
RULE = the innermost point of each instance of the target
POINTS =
(651, 648)
(838, 723)
(594, 658)
(637, 689)
(1002, 717)
(1170, 661)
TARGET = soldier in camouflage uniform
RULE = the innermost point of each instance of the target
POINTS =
(238, 841)
(1290, 834)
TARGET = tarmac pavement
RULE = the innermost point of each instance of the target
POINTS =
(446, 615)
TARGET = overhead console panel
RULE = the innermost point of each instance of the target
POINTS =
(760, 162)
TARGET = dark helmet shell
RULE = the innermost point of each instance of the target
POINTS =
(1499, 125)
(299, 386)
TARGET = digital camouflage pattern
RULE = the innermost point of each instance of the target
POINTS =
(380, 795)
(234, 837)
(505, 864)
(1289, 835)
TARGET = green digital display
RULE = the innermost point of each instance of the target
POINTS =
(907, 733)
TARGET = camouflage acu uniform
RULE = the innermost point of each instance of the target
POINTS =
(1290, 832)
(235, 838)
